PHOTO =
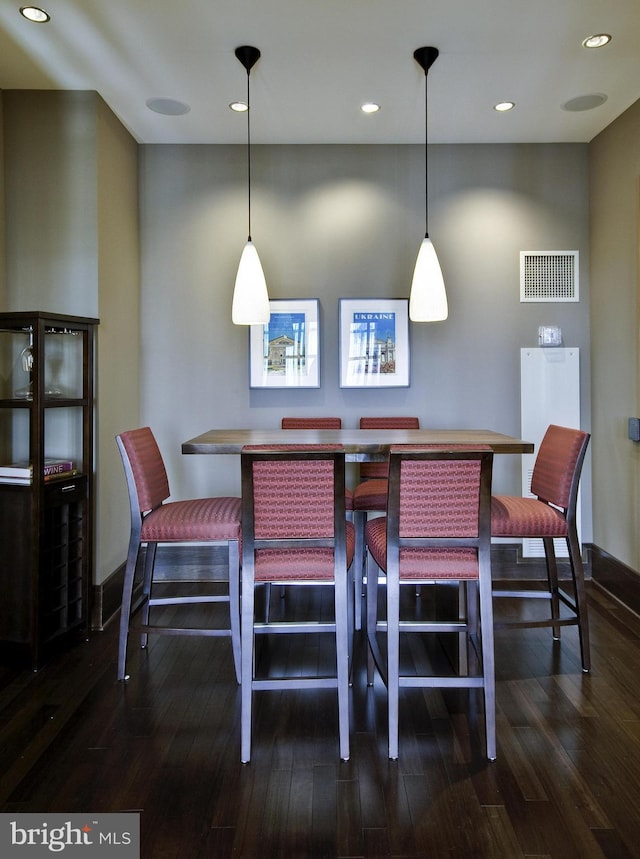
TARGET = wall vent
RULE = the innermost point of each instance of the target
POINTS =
(549, 276)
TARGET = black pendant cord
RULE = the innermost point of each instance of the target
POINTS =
(426, 157)
(248, 56)
(425, 57)
(249, 150)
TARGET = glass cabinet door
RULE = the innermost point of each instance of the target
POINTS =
(43, 398)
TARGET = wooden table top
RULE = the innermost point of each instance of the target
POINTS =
(360, 445)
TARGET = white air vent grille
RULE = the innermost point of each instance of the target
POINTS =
(549, 276)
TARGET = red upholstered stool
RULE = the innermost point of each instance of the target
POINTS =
(437, 529)
(370, 495)
(551, 515)
(155, 520)
(312, 547)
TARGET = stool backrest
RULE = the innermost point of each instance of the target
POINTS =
(311, 423)
(390, 422)
(293, 492)
(558, 465)
(146, 475)
(439, 498)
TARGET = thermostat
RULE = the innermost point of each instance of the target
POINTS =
(549, 335)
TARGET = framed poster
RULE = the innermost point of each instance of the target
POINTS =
(285, 353)
(374, 343)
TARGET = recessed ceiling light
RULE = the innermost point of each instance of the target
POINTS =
(502, 106)
(369, 107)
(35, 14)
(167, 106)
(597, 41)
(239, 106)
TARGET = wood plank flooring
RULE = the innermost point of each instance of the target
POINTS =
(566, 783)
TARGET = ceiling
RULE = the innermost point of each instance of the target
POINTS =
(321, 59)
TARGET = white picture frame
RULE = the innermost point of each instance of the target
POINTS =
(285, 352)
(374, 343)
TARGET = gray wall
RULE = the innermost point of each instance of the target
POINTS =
(614, 239)
(71, 213)
(50, 193)
(334, 222)
(3, 280)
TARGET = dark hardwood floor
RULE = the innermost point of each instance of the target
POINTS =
(566, 783)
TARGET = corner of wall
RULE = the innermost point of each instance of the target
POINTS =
(3, 279)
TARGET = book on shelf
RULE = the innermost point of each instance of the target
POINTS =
(16, 469)
(21, 471)
(58, 475)
(57, 466)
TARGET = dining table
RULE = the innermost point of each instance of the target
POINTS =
(360, 445)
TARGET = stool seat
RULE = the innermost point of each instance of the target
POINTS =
(512, 516)
(197, 520)
(371, 494)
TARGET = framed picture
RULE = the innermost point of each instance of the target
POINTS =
(374, 343)
(285, 353)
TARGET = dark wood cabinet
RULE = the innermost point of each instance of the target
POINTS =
(46, 482)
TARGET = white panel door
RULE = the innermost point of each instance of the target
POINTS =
(549, 394)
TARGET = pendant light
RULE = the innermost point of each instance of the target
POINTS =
(250, 298)
(428, 298)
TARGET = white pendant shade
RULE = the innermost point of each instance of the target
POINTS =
(250, 298)
(428, 298)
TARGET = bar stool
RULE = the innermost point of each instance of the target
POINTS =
(153, 521)
(550, 515)
(437, 529)
(370, 495)
(313, 547)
